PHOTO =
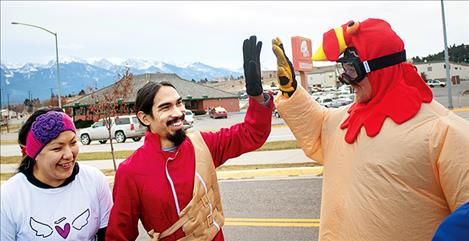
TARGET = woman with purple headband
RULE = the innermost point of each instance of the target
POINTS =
(52, 197)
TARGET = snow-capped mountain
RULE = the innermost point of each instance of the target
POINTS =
(77, 74)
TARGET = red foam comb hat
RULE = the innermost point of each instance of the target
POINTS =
(398, 91)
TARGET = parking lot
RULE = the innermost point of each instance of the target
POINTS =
(204, 123)
(330, 97)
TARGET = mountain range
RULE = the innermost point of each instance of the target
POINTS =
(40, 80)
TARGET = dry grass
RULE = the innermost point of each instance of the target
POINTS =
(8, 142)
(111, 172)
(88, 156)
(268, 146)
(279, 145)
(11, 128)
(6, 176)
(108, 172)
(265, 166)
(10, 159)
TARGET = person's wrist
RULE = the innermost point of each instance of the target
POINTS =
(259, 98)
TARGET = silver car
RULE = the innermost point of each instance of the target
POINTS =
(122, 127)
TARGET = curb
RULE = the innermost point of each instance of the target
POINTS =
(259, 173)
(270, 172)
(462, 109)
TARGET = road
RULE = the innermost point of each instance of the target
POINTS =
(275, 135)
(441, 95)
(293, 156)
(204, 123)
(278, 132)
(270, 209)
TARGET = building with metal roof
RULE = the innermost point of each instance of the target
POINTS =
(196, 97)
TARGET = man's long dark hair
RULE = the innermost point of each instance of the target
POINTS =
(145, 97)
(144, 103)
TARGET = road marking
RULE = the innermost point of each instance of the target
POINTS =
(460, 109)
(280, 126)
(270, 172)
(263, 179)
(255, 224)
(273, 222)
(293, 220)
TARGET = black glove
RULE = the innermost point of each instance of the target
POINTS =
(252, 66)
(285, 71)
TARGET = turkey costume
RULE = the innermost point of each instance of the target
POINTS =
(394, 167)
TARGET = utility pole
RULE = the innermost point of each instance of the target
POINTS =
(29, 104)
(448, 79)
(51, 102)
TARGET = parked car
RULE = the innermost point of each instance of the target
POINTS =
(122, 127)
(218, 112)
(345, 99)
(326, 102)
(435, 82)
(188, 119)
(344, 88)
(276, 114)
(338, 102)
(316, 95)
(329, 89)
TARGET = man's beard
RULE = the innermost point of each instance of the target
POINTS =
(178, 137)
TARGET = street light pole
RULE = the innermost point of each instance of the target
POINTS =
(58, 69)
(448, 75)
(56, 54)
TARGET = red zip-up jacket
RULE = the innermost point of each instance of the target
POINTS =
(142, 186)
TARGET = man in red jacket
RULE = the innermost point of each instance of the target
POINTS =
(170, 182)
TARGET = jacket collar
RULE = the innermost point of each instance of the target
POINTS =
(152, 140)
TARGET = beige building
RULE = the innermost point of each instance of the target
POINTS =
(5, 114)
(327, 75)
(196, 97)
(324, 76)
(437, 70)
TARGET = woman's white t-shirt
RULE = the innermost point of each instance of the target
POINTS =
(72, 212)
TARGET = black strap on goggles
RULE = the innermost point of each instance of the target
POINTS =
(384, 61)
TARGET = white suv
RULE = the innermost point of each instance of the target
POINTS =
(189, 119)
(122, 127)
(435, 82)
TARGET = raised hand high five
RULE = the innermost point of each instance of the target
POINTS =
(285, 71)
(252, 66)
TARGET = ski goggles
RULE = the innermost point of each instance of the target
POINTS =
(352, 70)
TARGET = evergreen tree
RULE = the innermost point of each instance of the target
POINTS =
(456, 54)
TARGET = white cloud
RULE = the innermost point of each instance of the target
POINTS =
(71, 47)
(211, 32)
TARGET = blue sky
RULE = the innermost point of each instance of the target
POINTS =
(210, 32)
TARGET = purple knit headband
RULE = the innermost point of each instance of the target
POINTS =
(45, 128)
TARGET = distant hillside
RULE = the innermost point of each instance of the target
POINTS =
(457, 54)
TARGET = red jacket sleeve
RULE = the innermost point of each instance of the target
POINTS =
(242, 137)
(123, 220)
